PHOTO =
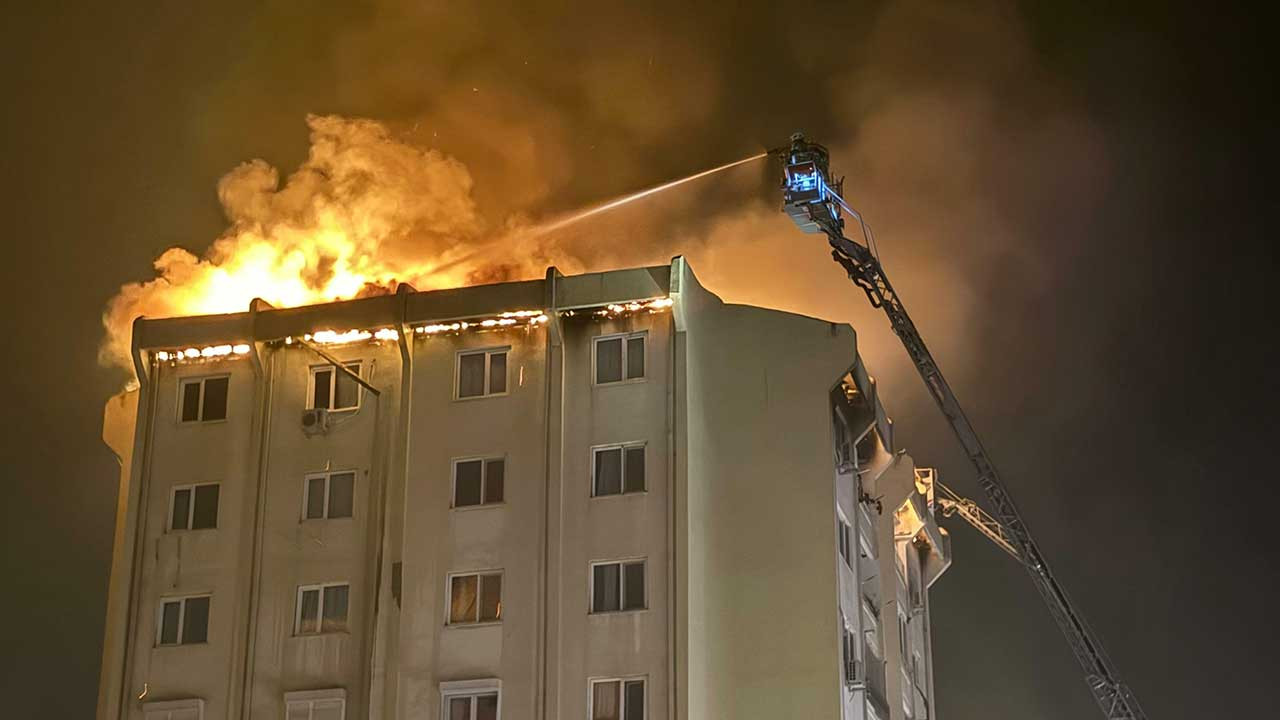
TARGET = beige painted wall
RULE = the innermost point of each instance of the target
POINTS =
(737, 523)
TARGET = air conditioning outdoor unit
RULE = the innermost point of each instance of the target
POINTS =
(853, 675)
(315, 421)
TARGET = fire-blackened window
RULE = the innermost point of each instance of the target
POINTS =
(617, 469)
(194, 507)
(481, 373)
(203, 399)
(617, 586)
(332, 389)
(619, 357)
(478, 482)
(184, 620)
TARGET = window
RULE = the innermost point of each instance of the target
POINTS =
(471, 699)
(847, 654)
(194, 507)
(315, 704)
(334, 390)
(475, 598)
(321, 609)
(203, 399)
(478, 482)
(617, 469)
(184, 620)
(617, 699)
(191, 709)
(844, 540)
(866, 447)
(619, 357)
(329, 495)
(481, 373)
(617, 586)
(902, 637)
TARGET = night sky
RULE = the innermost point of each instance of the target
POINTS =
(1067, 195)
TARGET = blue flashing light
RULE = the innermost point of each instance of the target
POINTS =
(802, 182)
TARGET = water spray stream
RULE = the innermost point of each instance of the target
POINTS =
(557, 224)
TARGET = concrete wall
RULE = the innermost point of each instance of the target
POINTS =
(186, 562)
(761, 636)
(744, 584)
(439, 540)
(629, 643)
(295, 551)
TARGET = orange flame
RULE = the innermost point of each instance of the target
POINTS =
(364, 212)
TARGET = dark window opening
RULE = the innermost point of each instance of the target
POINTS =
(617, 470)
(195, 507)
(619, 358)
(481, 373)
(617, 586)
(204, 399)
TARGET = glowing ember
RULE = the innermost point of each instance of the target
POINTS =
(654, 305)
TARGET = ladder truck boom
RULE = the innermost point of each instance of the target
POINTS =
(969, 511)
(815, 204)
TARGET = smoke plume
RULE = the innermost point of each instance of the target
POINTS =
(955, 146)
(364, 212)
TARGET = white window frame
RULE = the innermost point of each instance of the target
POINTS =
(484, 481)
(297, 608)
(164, 709)
(327, 475)
(183, 382)
(622, 707)
(472, 689)
(845, 541)
(333, 385)
(488, 352)
(182, 617)
(311, 697)
(595, 376)
(622, 585)
(448, 597)
(191, 507)
(643, 445)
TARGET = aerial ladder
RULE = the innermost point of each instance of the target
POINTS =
(815, 204)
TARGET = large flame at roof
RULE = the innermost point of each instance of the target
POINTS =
(364, 212)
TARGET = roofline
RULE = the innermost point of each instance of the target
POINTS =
(405, 307)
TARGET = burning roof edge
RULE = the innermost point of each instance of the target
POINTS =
(556, 292)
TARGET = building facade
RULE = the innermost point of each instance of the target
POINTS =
(598, 496)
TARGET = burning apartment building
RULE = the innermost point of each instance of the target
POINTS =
(602, 496)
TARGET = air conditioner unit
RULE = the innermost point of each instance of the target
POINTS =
(315, 421)
(853, 675)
